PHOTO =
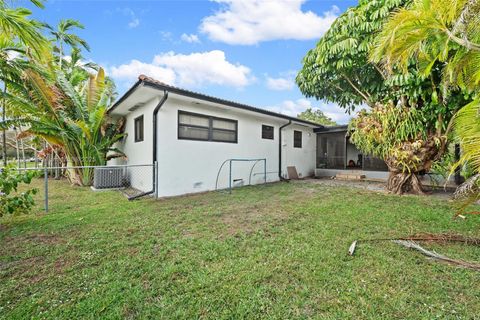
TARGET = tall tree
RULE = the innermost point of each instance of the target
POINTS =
(18, 35)
(316, 116)
(62, 36)
(16, 25)
(338, 69)
(448, 33)
(72, 119)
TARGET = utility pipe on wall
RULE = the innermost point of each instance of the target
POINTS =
(154, 148)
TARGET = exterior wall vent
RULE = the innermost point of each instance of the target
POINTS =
(135, 107)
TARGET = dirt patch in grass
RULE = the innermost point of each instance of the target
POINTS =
(264, 214)
(247, 222)
(16, 245)
(22, 263)
(47, 239)
(36, 238)
(62, 264)
(23, 269)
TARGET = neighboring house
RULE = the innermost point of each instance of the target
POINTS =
(190, 135)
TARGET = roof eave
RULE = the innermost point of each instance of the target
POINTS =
(332, 129)
(125, 96)
(203, 97)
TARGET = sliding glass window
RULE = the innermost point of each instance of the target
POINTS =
(194, 126)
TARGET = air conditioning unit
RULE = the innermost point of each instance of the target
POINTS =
(110, 178)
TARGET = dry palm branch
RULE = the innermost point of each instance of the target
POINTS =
(410, 242)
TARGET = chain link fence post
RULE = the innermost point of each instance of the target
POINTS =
(45, 178)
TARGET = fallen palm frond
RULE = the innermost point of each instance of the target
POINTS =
(409, 242)
(436, 256)
(445, 237)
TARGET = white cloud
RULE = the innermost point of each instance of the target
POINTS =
(189, 70)
(190, 38)
(165, 35)
(280, 84)
(131, 71)
(248, 22)
(134, 21)
(293, 108)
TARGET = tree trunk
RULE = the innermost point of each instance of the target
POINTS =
(4, 131)
(403, 182)
(23, 154)
(17, 147)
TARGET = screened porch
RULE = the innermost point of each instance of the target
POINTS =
(334, 151)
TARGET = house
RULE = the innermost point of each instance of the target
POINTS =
(190, 135)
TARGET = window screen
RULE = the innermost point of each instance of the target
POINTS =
(297, 139)
(194, 126)
(267, 132)
(139, 129)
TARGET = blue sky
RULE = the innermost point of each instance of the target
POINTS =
(248, 51)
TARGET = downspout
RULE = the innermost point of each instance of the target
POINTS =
(154, 147)
(280, 150)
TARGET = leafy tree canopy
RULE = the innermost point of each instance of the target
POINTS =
(316, 116)
(445, 33)
(339, 69)
(73, 119)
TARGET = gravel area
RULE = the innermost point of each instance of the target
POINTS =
(376, 186)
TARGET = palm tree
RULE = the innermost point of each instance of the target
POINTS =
(10, 71)
(446, 33)
(15, 25)
(77, 72)
(72, 119)
(18, 35)
(62, 36)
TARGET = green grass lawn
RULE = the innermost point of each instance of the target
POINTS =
(275, 251)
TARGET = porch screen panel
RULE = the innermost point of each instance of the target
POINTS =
(331, 150)
(374, 164)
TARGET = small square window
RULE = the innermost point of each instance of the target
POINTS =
(297, 139)
(267, 132)
(139, 129)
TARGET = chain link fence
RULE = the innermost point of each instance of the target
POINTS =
(134, 181)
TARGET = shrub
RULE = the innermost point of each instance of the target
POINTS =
(12, 201)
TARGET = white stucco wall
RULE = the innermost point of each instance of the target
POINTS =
(138, 153)
(187, 166)
(302, 158)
